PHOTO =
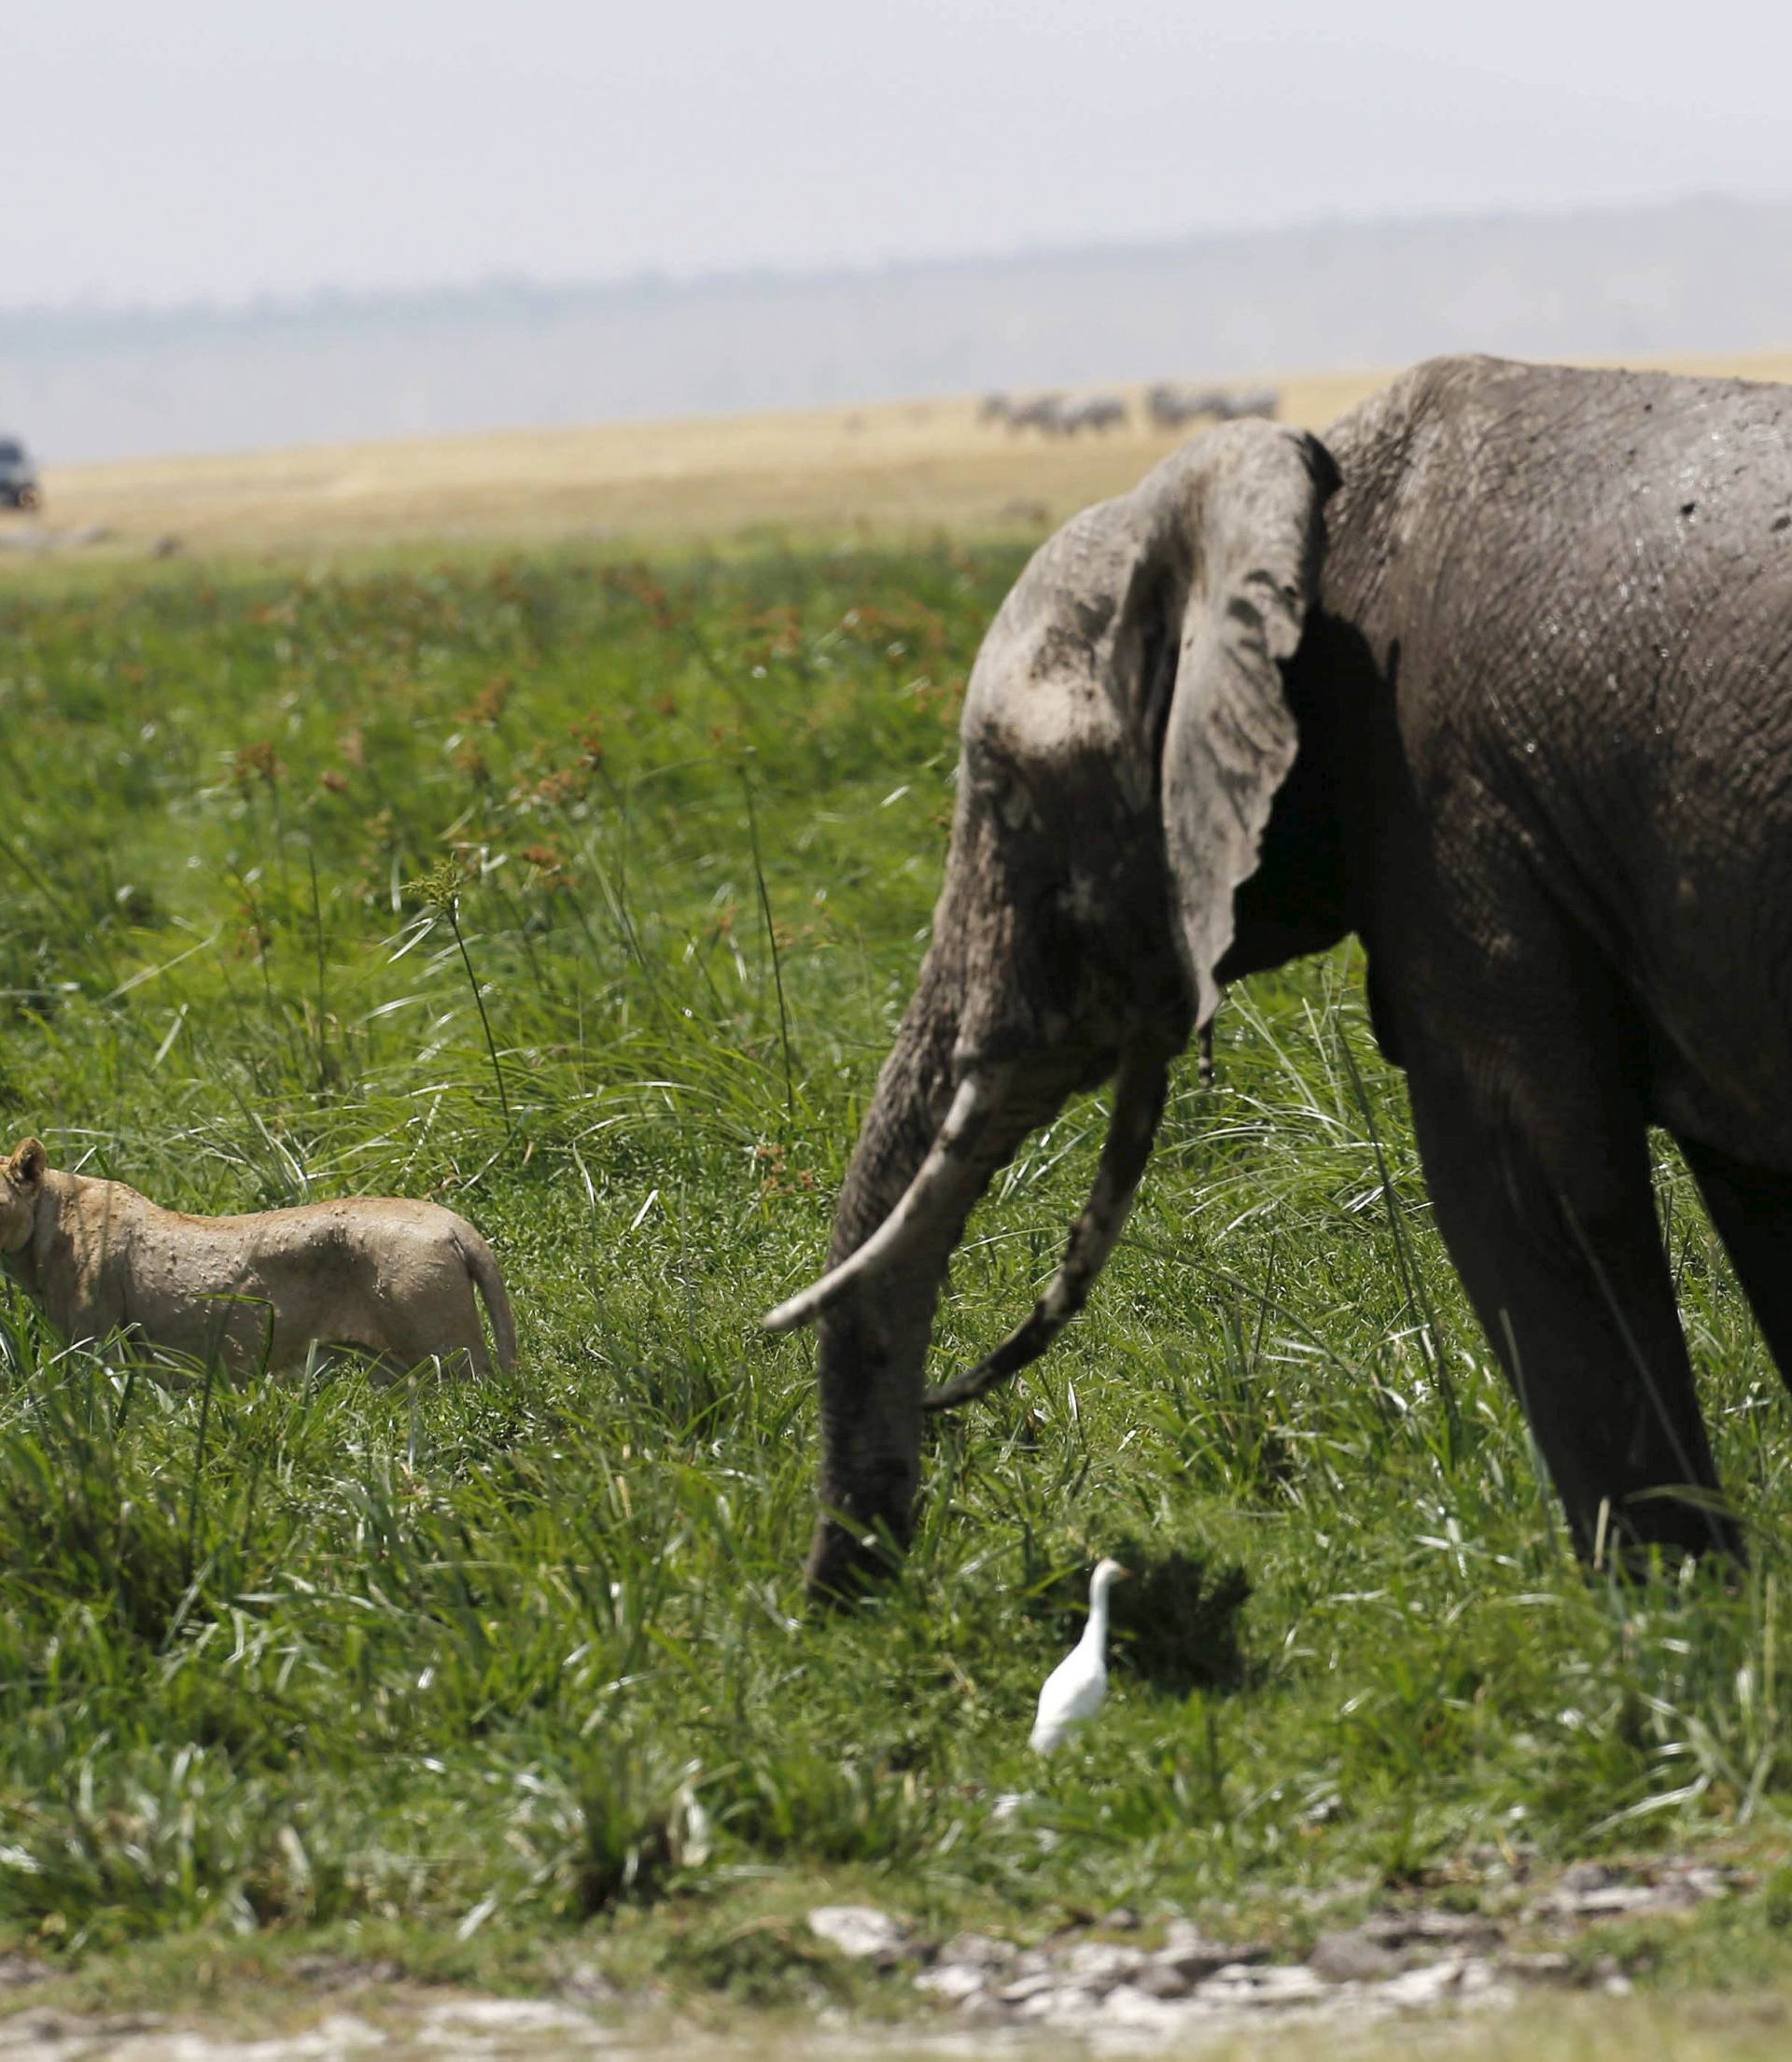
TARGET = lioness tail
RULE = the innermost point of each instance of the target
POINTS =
(482, 1264)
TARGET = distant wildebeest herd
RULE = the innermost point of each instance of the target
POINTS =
(1166, 407)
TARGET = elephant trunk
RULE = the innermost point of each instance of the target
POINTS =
(948, 1181)
(924, 1156)
(1137, 1106)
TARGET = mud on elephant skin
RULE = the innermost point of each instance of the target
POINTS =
(1497, 675)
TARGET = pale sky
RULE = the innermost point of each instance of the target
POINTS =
(157, 150)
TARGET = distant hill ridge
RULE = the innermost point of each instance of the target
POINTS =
(1700, 274)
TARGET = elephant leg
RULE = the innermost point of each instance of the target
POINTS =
(1752, 1209)
(1548, 1215)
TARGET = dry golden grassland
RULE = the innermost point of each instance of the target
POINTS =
(889, 469)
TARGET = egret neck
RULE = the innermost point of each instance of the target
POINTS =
(1094, 1633)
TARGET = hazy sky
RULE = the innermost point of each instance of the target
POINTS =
(158, 149)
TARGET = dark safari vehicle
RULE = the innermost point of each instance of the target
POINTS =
(18, 487)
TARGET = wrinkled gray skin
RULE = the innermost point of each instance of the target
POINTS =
(1498, 676)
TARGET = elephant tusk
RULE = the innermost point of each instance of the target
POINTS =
(946, 1180)
(1138, 1105)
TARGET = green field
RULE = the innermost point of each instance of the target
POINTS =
(585, 896)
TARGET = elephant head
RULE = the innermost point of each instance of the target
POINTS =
(1125, 732)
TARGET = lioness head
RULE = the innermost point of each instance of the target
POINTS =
(22, 1182)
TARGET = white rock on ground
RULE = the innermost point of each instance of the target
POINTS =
(859, 1931)
(979, 1951)
(1098, 1966)
(953, 1982)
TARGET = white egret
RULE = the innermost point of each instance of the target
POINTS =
(1074, 1688)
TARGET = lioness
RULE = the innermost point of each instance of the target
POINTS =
(392, 1277)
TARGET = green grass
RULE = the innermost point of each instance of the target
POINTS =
(586, 896)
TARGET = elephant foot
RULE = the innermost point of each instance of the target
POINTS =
(1656, 1532)
(848, 1559)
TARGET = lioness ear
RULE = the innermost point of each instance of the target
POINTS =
(27, 1164)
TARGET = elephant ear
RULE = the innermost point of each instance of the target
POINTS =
(1248, 498)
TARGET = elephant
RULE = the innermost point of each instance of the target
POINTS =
(1496, 675)
(1045, 413)
(1096, 411)
(1254, 401)
(1171, 407)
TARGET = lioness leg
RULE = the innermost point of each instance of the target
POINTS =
(445, 1327)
